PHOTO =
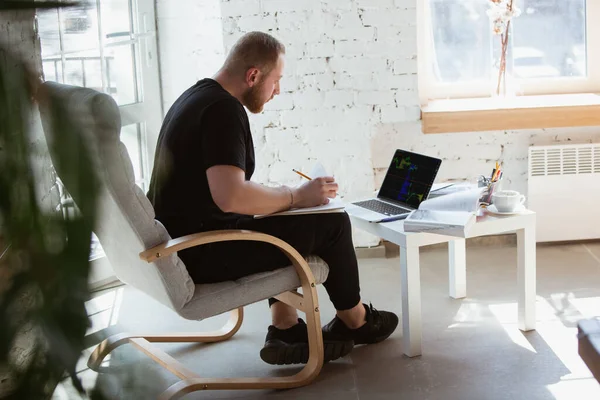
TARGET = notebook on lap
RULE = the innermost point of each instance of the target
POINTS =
(407, 183)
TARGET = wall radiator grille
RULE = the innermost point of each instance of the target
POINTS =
(564, 191)
(563, 160)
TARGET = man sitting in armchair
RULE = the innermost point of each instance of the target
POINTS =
(202, 181)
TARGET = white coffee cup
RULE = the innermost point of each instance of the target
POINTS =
(507, 200)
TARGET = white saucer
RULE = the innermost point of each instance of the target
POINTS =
(493, 210)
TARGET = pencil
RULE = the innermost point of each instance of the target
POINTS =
(302, 175)
(497, 175)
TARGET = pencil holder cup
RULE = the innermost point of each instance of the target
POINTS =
(491, 187)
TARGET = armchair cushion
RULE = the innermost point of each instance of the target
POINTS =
(217, 298)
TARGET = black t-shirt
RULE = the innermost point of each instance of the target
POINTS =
(205, 127)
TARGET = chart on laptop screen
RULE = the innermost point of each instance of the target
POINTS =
(409, 178)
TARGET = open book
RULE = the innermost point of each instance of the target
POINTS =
(334, 205)
(452, 215)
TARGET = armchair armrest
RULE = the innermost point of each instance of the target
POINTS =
(197, 239)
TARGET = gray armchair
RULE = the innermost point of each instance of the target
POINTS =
(144, 256)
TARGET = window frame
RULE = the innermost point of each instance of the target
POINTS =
(430, 89)
(146, 109)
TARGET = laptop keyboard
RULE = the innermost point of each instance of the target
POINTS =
(381, 207)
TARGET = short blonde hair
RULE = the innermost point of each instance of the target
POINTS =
(254, 50)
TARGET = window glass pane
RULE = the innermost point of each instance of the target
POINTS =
(83, 69)
(549, 39)
(116, 20)
(120, 73)
(461, 40)
(49, 34)
(52, 68)
(130, 136)
(80, 27)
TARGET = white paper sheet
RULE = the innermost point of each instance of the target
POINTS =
(318, 171)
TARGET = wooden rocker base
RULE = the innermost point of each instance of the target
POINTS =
(190, 381)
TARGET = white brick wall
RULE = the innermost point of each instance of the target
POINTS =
(349, 93)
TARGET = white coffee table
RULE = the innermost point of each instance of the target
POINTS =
(524, 227)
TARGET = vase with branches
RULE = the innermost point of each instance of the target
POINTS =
(501, 13)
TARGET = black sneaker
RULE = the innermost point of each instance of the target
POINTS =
(290, 346)
(379, 326)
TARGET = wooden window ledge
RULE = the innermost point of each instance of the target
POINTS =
(519, 112)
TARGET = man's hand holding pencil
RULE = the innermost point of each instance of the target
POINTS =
(314, 192)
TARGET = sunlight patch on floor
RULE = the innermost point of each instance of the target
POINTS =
(104, 310)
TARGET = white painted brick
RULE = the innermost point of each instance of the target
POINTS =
(357, 65)
(303, 118)
(380, 17)
(407, 97)
(311, 66)
(230, 25)
(351, 47)
(267, 118)
(405, 66)
(284, 101)
(289, 83)
(388, 33)
(364, 49)
(322, 82)
(356, 115)
(309, 99)
(374, 4)
(396, 34)
(348, 20)
(391, 81)
(474, 151)
(262, 22)
(355, 81)
(341, 5)
(339, 98)
(316, 25)
(288, 5)
(407, 47)
(266, 156)
(293, 51)
(327, 117)
(298, 37)
(320, 49)
(278, 137)
(239, 7)
(288, 36)
(390, 114)
(290, 20)
(410, 4)
(375, 97)
(364, 33)
(229, 40)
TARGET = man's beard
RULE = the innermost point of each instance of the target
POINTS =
(251, 98)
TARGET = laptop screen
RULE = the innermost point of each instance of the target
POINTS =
(409, 178)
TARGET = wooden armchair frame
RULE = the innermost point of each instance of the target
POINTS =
(189, 380)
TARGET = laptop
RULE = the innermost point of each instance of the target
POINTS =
(407, 183)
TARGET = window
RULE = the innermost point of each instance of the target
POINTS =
(553, 48)
(110, 46)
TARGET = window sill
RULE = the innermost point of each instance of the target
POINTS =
(524, 112)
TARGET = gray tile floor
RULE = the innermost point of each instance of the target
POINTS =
(472, 348)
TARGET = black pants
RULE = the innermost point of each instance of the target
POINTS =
(328, 236)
